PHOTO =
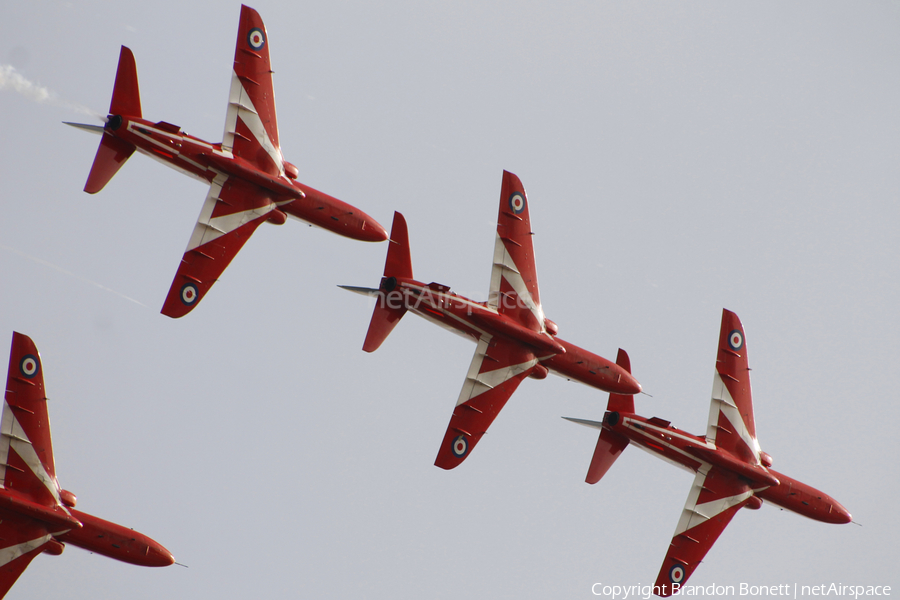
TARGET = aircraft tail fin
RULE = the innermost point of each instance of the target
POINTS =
(398, 263)
(389, 308)
(126, 97)
(126, 100)
(621, 402)
(610, 444)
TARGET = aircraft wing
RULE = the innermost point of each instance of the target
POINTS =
(715, 496)
(731, 424)
(497, 369)
(514, 284)
(26, 453)
(20, 541)
(251, 129)
(233, 209)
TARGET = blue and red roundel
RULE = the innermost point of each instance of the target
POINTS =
(460, 446)
(735, 340)
(189, 293)
(256, 38)
(29, 366)
(517, 202)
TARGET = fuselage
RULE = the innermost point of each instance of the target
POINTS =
(691, 452)
(203, 160)
(473, 320)
(116, 541)
(65, 525)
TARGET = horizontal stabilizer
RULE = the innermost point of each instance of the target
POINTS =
(384, 319)
(364, 291)
(609, 447)
(98, 129)
(585, 422)
(111, 155)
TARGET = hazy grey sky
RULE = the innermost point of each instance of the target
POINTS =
(679, 158)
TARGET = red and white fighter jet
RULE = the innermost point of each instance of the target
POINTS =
(250, 182)
(36, 514)
(514, 338)
(731, 471)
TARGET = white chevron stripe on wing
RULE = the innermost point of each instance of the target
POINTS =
(15, 437)
(5, 440)
(504, 267)
(695, 514)
(11, 553)
(209, 228)
(240, 106)
(723, 402)
(478, 383)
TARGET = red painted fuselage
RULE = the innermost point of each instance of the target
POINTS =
(69, 526)
(690, 452)
(203, 160)
(473, 320)
(116, 541)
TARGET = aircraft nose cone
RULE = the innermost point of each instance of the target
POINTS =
(372, 231)
(157, 556)
(839, 514)
(628, 384)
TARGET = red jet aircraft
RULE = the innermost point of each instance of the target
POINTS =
(514, 338)
(731, 472)
(250, 182)
(36, 515)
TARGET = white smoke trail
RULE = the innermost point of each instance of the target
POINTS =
(70, 274)
(10, 79)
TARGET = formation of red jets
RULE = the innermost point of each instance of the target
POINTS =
(251, 183)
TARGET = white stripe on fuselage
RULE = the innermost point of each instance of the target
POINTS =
(431, 300)
(449, 296)
(135, 128)
(643, 430)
